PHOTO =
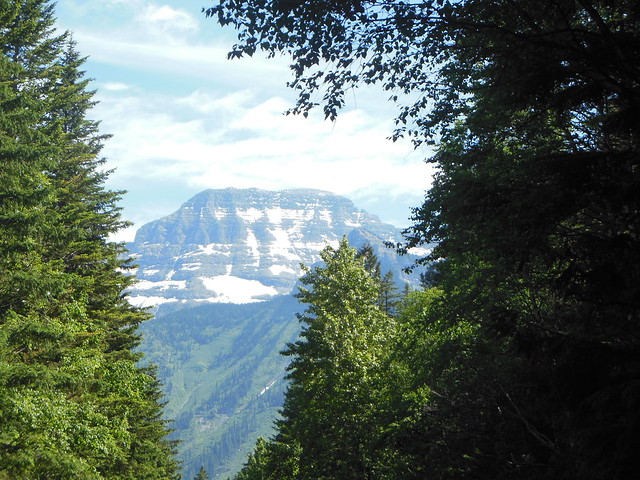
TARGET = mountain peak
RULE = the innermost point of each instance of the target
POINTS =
(242, 245)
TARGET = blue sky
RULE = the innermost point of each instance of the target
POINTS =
(184, 118)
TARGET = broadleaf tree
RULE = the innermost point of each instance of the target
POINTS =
(531, 106)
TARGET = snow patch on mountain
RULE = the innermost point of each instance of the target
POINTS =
(326, 216)
(143, 301)
(252, 243)
(282, 247)
(277, 215)
(212, 249)
(279, 269)
(218, 213)
(420, 251)
(191, 266)
(230, 289)
(264, 390)
(162, 285)
(250, 214)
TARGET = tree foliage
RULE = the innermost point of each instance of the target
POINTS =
(440, 53)
(328, 428)
(202, 474)
(388, 297)
(335, 367)
(73, 402)
(534, 209)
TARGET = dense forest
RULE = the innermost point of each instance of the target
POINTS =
(521, 358)
(74, 403)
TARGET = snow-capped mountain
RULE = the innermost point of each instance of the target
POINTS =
(246, 245)
(217, 350)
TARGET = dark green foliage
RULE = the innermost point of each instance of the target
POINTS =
(271, 460)
(534, 203)
(371, 261)
(73, 403)
(387, 296)
(531, 353)
(202, 474)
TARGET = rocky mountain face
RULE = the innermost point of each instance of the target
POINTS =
(220, 269)
(242, 246)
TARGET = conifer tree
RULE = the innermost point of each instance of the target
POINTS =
(389, 298)
(202, 474)
(329, 425)
(73, 402)
(387, 295)
(371, 260)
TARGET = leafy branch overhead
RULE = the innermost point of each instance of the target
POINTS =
(525, 364)
(432, 55)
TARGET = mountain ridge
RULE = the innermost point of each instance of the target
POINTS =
(243, 245)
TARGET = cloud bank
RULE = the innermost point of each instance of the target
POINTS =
(184, 118)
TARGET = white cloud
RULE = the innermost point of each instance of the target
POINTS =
(166, 23)
(166, 14)
(204, 64)
(205, 102)
(259, 147)
(114, 86)
(185, 118)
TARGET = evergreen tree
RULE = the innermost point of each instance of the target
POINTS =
(388, 298)
(73, 402)
(371, 260)
(202, 474)
(406, 291)
(329, 422)
(276, 459)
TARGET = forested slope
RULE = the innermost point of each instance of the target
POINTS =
(223, 376)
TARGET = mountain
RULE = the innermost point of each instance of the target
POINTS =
(220, 272)
(242, 246)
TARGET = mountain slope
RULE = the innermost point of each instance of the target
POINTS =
(220, 271)
(241, 246)
(223, 376)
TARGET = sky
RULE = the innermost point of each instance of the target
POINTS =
(185, 119)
